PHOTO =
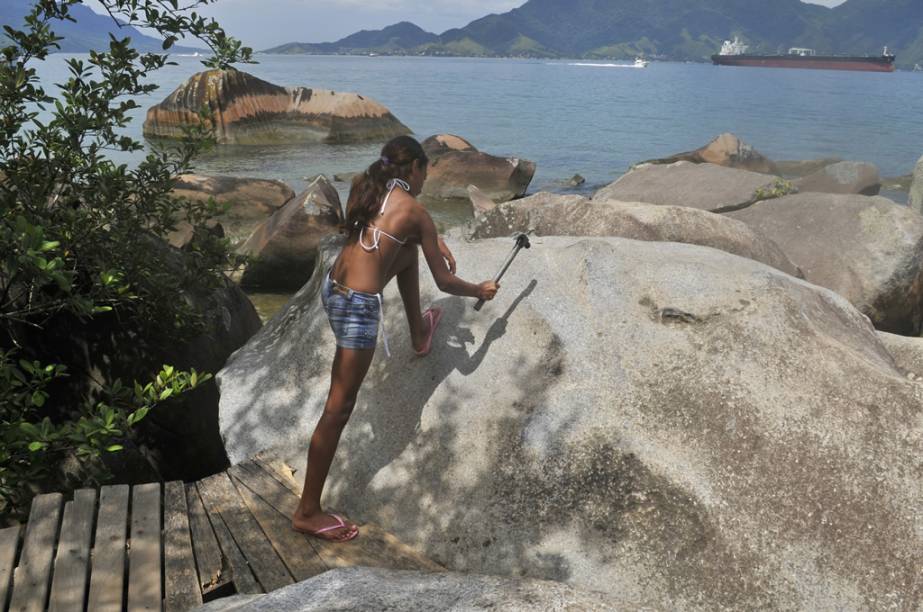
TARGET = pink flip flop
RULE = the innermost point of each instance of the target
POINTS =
(435, 315)
(341, 524)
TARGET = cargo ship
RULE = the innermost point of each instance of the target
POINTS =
(734, 53)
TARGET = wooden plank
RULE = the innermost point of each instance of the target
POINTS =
(32, 579)
(72, 563)
(9, 546)
(107, 573)
(373, 548)
(145, 550)
(241, 575)
(181, 588)
(212, 577)
(267, 487)
(294, 548)
(221, 499)
(280, 471)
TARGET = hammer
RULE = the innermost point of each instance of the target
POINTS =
(522, 242)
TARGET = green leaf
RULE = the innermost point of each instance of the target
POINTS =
(166, 393)
(38, 399)
(37, 446)
(115, 448)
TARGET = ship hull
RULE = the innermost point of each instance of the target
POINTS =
(815, 62)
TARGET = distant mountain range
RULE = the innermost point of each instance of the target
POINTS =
(685, 30)
(91, 30)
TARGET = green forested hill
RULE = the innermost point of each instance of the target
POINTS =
(91, 30)
(672, 29)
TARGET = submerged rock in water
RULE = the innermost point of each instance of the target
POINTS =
(283, 249)
(365, 589)
(674, 425)
(548, 214)
(867, 249)
(455, 164)
(703, 186)
(916, 188)
(725, 150)
(843, 177)
(248, 110)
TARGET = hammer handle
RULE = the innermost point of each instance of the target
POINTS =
(509, 260)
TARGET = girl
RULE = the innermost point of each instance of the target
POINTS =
(385, 224)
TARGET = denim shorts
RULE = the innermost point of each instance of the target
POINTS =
(353, 315)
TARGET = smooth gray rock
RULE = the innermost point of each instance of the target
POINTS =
(703, 186)
(916, 188)
(797, 168)
(843, 177)
(907, 352)
(548, 214)
(363, 589)
(867, 249)
(667, 423)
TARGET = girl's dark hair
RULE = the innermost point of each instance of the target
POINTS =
(369, 188)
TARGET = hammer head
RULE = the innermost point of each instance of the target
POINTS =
(522, 240)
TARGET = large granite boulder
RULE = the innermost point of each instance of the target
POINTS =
(867, 249)
(672, 424)
(907, 353)
(916, 188)
(843, 177)
(548, 214)
(725, 150)
(455, 164)
(283, 249)
(186, 443)
(248, 110)
(364, 589)
(703, 186)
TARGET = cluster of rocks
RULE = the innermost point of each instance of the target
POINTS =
(277, 229)
(689, 393)
(686, 395)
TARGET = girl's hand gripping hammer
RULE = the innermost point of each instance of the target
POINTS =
(522, 242)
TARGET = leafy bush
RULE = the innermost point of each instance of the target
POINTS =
(81, 242)
(779, 189)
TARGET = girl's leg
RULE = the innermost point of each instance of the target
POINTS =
(407, 270)
(349, 369)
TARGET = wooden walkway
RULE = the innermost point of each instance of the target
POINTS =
(174, 546)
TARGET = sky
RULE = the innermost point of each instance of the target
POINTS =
(266, 23)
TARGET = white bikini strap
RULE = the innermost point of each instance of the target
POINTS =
(376, 239)
(392, 184)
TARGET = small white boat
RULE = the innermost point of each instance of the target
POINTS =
(640, 62)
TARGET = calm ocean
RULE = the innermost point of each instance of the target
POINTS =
(591, 120)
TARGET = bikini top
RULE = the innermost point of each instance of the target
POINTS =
(377, 232)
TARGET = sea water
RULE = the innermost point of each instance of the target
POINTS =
(571, 118)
